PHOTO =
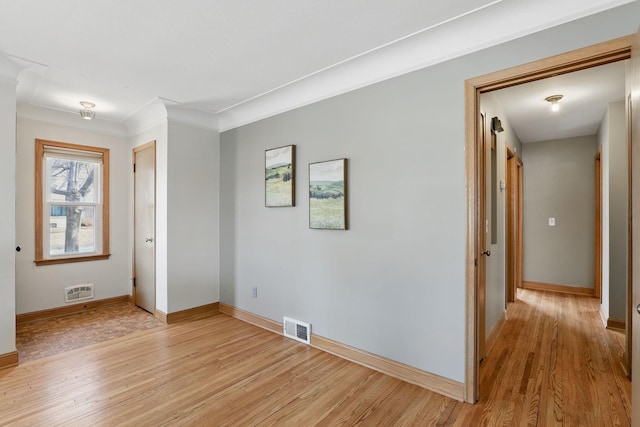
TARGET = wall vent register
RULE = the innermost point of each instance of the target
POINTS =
(78, 292)
(300, 331)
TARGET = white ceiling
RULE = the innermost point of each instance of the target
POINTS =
(585, 93)
(233, 62)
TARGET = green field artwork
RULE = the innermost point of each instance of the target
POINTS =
(328, 195)
(280, 176)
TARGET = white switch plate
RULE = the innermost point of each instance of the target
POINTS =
(552, 222)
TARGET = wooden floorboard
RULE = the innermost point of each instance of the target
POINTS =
(553, 364)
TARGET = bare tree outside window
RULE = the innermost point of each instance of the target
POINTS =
(72, 181)
(72, 202)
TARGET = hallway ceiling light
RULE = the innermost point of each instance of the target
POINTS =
(87, 113)
(554, 99)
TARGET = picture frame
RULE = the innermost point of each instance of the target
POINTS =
(328, 195)
(280, 176)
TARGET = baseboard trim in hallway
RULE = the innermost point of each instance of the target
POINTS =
(552, 287)
(71, 309)
(8, 360)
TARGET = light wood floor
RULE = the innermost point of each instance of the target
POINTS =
(554, 365)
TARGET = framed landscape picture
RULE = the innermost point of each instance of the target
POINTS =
(328, 195)
(280, 176)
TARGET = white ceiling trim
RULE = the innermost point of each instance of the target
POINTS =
(150, 115)
(9, 70)
(423, 49)
(189, 115)
(159, 110)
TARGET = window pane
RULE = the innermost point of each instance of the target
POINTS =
(71, 230)
(72, 180)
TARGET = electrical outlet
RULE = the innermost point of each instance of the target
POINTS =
(254, 292)
(552, 222)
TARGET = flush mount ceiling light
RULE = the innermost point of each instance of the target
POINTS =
(87, 113)
(553, 100)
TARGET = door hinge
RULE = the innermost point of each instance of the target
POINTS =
(134, 282)
(475, 262)
(134, 168)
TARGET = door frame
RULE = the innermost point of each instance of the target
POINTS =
(597, 261)
(630, 308)
(519, 219)
(513, 261)
(580, 59)
(134, 151)
(482, 266)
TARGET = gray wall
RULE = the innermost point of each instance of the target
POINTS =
(192, 212)
(612, 141)
(559, 182)
(394, 284)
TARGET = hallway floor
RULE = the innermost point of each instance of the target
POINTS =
(554, 363)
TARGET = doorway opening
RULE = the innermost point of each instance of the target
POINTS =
(581, 59)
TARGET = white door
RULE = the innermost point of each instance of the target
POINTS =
(635, 201)
(144, 290)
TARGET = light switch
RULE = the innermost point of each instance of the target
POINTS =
(552, 222)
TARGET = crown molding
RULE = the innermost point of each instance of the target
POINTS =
(9, 70)
(497, 23)
(146, 117)
(190, 116)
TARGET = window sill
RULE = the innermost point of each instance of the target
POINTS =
(71, 259)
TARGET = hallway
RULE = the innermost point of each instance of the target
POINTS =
(553, 364)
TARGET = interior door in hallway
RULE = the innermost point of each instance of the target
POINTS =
(635, 185)
(144, 287)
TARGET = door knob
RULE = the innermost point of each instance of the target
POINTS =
(148, 239)
(638, 308)
(487, 253)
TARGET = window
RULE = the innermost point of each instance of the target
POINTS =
(72, 203)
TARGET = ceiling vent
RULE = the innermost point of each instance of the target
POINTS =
(300, 331)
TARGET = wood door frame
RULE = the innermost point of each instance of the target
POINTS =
(150, 144)
(580, 59)
(519, 219)
(597, 261)
(482, 238)
(630, 308)
(513, 250)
